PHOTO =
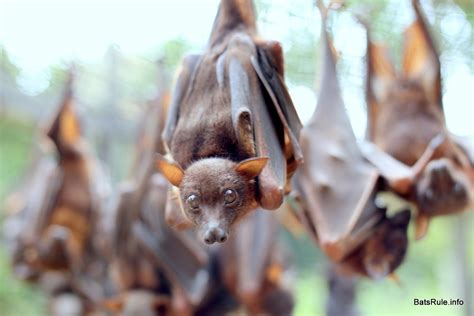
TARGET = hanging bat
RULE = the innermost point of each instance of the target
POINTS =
(250, 268)
(232, 128)
(405, 117)
(61, 211)
(337, 186)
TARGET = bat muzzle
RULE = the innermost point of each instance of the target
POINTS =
(215, 234)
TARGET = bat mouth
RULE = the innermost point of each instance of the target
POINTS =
(215, 234)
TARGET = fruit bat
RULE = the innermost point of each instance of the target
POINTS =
(336, 185)
(252, 268)
(61, 210)
(232, 128)
(406, 120)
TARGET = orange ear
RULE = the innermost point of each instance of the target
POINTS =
(251, 167)
(380, 70)
(114, 304)
(420, 58)
(170, 170)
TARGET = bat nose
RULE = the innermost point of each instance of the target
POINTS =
(215, 234)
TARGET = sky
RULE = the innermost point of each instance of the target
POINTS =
(40, 33)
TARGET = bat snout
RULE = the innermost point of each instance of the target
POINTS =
(215, 234)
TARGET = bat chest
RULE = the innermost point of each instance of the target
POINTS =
(209, 135)
(395, 133)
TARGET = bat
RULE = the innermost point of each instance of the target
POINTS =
(232, 129)
(251, 269)
(336, 185)
(61, 209)
(406, 120)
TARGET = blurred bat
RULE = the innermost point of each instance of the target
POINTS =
(337, 186)
(232, 128)
(61, 211)
(383, 251)
(250, 268)
(405, 117)
(151, 263)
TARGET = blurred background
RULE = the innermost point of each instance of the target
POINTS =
(119, 47)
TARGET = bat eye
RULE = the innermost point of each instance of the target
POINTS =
(193, 202)
(230, 196)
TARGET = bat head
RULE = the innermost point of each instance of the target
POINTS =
(386, 249)
(215, 192)
(442, 187)
(138, 303)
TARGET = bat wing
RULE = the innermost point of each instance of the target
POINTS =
(255, 127)
(255, 238)
(269, 68)
(337, 183)
(398, 175)
(181, 258)
(181, 87)
(265, 105)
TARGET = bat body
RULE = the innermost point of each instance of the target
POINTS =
(231, 122)
(405, 114)
(337, 186)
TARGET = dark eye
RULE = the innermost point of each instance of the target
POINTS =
(230, 196)
(193, 202)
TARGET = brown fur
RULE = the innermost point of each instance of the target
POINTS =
(383, 252)
(405, 114)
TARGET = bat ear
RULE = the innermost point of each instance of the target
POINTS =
(381, 72)
(421, 226)
(65, 130)
(420, 59)
(170, 170)
(252, 167)
(114, 304)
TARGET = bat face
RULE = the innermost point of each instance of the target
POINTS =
(383, 252)
(442, 188)
(215, 192)
(386, 249)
